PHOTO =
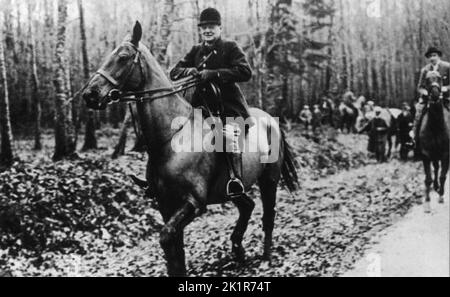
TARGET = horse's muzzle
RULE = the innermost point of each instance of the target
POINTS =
(92, 101)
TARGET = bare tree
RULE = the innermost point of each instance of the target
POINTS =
(165, 31)
(35, 83)
(64, 139)
(6, 151)
(90, 140)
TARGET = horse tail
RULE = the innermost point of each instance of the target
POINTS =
(289, 166)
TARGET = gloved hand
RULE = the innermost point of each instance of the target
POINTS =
(208, 75)
(444, 89)
(192, 72)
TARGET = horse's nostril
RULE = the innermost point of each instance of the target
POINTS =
(89, 96)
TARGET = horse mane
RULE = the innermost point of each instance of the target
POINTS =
(155, 72)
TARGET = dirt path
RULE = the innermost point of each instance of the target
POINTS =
(321, 231)
(416, 246)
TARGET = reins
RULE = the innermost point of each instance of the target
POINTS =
(150, 95)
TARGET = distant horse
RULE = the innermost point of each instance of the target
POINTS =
(186, 182)
(434, 135)
(349, 116)
(349, 112)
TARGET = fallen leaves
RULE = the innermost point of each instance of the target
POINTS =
(66, 206)
(86, 219)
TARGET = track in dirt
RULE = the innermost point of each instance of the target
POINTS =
(417, 246)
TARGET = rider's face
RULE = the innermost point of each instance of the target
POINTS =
(210, 33)
(434, 58)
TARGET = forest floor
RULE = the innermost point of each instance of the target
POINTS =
(89, 220)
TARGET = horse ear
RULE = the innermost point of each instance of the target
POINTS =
(137, 34)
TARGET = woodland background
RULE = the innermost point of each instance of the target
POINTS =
(300, 51)
(82, 215)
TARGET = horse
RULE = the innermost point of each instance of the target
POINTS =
(186, 182)
(434, 135)
(349, 112)
(349, 117)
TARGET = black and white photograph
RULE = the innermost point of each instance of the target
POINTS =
(210, 140)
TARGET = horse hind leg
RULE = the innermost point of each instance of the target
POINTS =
(268, 197)
(245, 206)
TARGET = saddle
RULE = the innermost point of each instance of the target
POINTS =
(211, 108)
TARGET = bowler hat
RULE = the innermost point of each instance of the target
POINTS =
(433, 50)
(210, 16)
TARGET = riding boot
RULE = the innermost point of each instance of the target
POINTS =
(235, 186)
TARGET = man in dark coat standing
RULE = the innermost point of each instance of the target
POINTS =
(226, 66)
(378, 133)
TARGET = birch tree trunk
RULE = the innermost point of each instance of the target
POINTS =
(35, 83)
(64, 140)
(165, 31)
(6, 151)
(90, 140)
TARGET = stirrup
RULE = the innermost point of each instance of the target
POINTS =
(235, 188)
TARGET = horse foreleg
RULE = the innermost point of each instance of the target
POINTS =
(444, 170)
(245, 206)
(172, 238)
(428, 182)
(436, 175)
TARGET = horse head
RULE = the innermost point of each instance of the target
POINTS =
(434, 85)
(121, 71)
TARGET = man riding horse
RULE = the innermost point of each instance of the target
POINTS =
(434, 56)
(226, 65)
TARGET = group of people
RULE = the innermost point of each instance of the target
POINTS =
(378, 122)
(382, 123)
(230, 66)
(312, 119)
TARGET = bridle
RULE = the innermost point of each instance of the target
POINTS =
(117, 95)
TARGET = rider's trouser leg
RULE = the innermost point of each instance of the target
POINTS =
(232, 133)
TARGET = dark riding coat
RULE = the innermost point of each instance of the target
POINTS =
(230, 66)
(444, 71)
(377, 129)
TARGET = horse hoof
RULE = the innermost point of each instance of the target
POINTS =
(238, 253)
(427, 207)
